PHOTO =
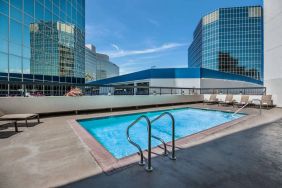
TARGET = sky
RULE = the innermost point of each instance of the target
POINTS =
(144, 34)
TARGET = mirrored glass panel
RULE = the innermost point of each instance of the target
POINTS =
(43, 37)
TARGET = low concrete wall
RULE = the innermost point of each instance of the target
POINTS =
(64, 104)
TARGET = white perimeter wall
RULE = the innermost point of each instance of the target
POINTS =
(200, 83)
(62, 104)
(178, 82)
(219, 83)
(273, 49)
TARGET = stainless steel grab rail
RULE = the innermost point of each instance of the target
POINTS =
(237, 111)
(260, 103)
(149, 164)
(163, 142)
(172, 157)
(252, 102)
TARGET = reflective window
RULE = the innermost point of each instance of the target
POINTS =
(4, 25)
(39, 11)
(4, 7)
(28, 20)
(15, 64)
(15, 49)
(48, 4)
(4, 62)
(26, 66)
(233, 43)
(17, 3)
(4, 46)
(26, 52)
(29, 7)
(26, 37)
(48, 15)
(16, 14)
(15, 32)
(35, 41)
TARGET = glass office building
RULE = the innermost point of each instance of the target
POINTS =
(230, 40)
(98, 66)
(42, 40)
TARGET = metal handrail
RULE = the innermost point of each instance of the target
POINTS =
(172, 157)
(259, 100)
(141, 163)
(252, 102)
(117, 86)
(237, 111)
(163, 142)
(10, 88)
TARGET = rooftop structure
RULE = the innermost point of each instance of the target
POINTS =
(183, 77)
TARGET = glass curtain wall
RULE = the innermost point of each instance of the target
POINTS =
(42, 40)
(230, 40)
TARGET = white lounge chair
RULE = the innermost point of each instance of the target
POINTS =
(228, 100)
(266, 101)
(221, 97)
(212, 99)
(243, 101)
(255, 100)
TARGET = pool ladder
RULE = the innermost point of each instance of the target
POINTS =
(149, 129)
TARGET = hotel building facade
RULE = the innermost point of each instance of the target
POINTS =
(230, 40)
(42, 40)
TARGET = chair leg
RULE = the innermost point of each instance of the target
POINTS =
(26, 123)
(16, 127)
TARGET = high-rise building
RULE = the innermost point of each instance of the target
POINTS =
(42, 40)
(230, 40)
(98, 66)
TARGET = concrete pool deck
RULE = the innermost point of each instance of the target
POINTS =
(51, 154)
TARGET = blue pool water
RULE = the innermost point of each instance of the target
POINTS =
(111, 131)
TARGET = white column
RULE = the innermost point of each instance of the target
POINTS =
(273, 49)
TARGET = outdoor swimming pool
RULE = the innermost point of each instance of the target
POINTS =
(110, 132)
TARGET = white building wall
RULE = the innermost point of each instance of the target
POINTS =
(219, 83)
(201, 83)
(178, 82)
(273, 49)
(190, 83)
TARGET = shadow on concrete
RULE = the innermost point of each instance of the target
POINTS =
(10, 128)
(7, 134)
(250, 158)
(29, 124)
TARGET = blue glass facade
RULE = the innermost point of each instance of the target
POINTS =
(42, 40)
(195, 49)
(230, 40)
